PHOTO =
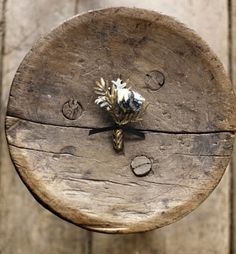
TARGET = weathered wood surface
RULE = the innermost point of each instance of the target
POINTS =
(59, 162)
(233, 76)
(81, 51)
(2, 116)
(64, 174)
(206, 230)
(25, 226)
(1, 49)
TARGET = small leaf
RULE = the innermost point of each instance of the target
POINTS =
(103, 82)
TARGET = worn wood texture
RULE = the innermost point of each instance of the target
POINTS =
(25, 226)
(67, 174)
(207, 229)
(233, 76)
(185, 61)
(1, 113)
(233, 43)
(189, 149)
(1, 49)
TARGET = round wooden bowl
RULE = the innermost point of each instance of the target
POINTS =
(189, 124)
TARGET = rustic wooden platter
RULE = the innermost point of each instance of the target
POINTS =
(189, 124)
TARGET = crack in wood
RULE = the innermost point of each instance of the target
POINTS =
(54, 153)
(113, 182)
(204, 155)
(176, 185)
(100, 181)
(137, 129)
(71, 154)
(180, 208)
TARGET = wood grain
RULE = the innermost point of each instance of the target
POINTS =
(233, 164)
(1, 49)
(1, 113)
(193, 72)
(206, 230)
(26, 227)
(189, 135)
(68, 174)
